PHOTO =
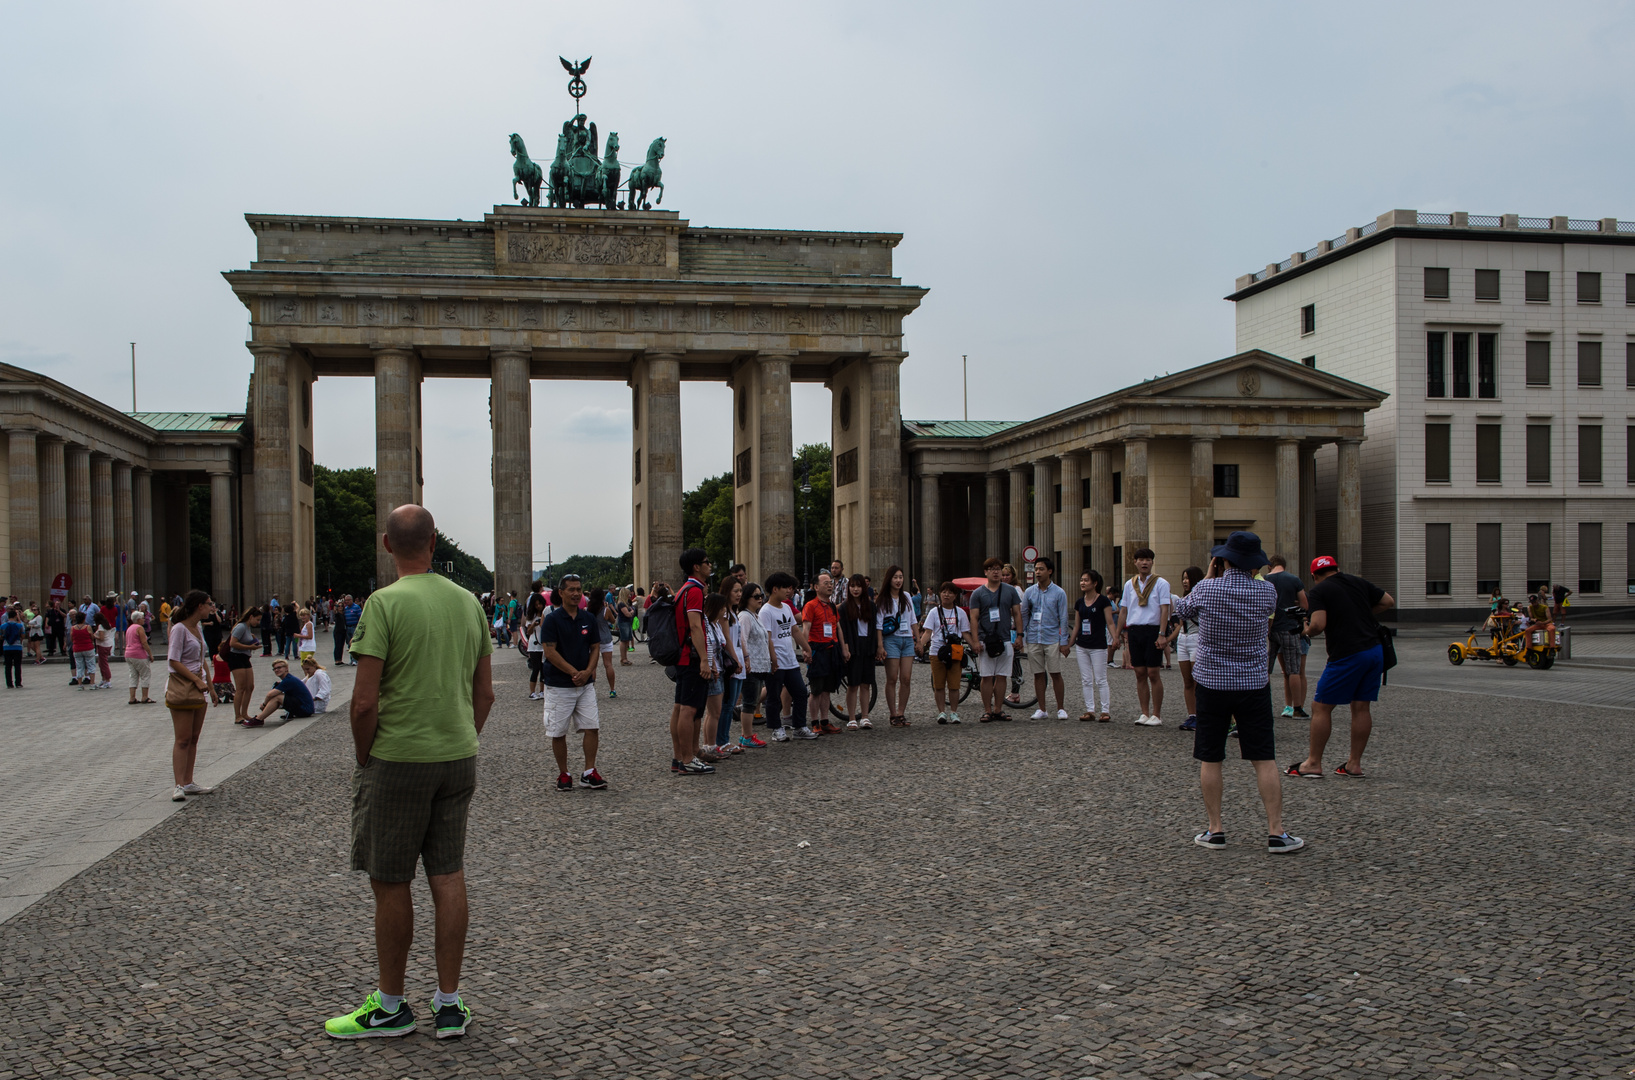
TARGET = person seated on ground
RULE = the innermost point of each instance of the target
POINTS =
(288, 693)
(317, 681)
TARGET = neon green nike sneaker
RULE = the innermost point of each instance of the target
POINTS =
(370, 1021)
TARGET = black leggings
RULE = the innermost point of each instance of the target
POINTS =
(14, 667)
(779, 681)
(536, 667)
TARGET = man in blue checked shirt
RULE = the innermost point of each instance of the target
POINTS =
(1047, 632)
(1230, 668)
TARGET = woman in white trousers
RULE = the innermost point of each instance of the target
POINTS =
(1093, 629)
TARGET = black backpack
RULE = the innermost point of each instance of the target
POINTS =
(663, 643)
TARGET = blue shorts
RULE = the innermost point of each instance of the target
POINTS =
(899, 648)
(1352, 678)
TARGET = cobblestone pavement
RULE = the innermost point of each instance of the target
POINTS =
(97, 772)
(1016, 900)
(1602, 671)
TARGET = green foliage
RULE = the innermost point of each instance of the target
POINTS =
(706, 521)
(814, 513)
(596, 571)
(344, 536)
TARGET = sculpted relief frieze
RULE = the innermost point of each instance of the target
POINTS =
(605, 250)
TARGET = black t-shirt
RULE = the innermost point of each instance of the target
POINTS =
(574, 637)
(1349, 602)
(1288, 597)
(1093, 622)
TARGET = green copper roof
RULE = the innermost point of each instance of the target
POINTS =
(189, 421)
(958, 429)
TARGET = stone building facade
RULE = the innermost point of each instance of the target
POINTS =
(1174, 463)
(103, 496)
(1505, 454)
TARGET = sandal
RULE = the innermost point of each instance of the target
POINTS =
(1105, 718)
(1341, 770)
(1294, 770)
(1087, 716)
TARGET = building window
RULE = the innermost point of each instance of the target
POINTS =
(1589, 287)
(1118, 564)
(1629, 453)
(1629, 364)
(1438, 455)
(1589, 556)
(1487, 453)
(1308, 319)
(636, 469)
(1538, 363)
(1118, 488)
(1487, 284)
(1436, 365)
(743, 471)
(1084, 498)
(1538, 286)
(1589, 363)
(1538, 555)
(1629, 288)
(1438, 559)
(1629, 558)
(1436, 283)
(1538, 453)
(1589, 453)
(1487, 365)
(1058, 498)
(1489, 554)
(1226, 481)
(1461, 365)
(1309, 361)
(306, 466)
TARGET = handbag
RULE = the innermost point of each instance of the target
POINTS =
(184, 694)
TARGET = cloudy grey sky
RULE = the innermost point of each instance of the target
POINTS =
(1078, 184)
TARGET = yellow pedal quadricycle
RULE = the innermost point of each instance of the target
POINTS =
(1509, 643)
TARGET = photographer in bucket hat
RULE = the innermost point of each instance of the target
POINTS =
(1229, 667)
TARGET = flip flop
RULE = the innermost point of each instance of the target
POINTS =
(1294, 770)
(1341, 770)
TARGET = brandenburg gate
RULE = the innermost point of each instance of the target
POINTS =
(561, 292)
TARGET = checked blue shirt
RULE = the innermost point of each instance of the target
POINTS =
(1231, 612)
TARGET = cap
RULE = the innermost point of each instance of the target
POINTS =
(1323, 562)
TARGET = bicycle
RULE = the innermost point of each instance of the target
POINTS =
(1019, 685)
(837, 700)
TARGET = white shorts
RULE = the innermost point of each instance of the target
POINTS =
(989, 666)
(1186, 648)
(570, 708)
(607, 647)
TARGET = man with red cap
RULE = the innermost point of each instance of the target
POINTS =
(1343, 608)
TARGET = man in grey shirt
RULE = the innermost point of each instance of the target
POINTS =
(1287, 630)
(996, 612)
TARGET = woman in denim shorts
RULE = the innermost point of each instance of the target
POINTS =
(894, 616)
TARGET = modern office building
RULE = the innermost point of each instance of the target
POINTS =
(1505, 454)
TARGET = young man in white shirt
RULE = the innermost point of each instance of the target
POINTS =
(1142, 615)
(786, 642)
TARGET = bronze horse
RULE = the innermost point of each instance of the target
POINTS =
(524, 170)
(643, 178)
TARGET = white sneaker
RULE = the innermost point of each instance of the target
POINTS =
(197, 789)
(1038, 714)
(953, 717)
(1154, 721)
(805, 733)
(1061, 714)
(1142, 719)
(780, 735)
(942, 717)
(177, 794)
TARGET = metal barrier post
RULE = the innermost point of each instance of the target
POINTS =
(1566, 643)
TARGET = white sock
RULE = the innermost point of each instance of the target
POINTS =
(390, 1002)
(439, 999)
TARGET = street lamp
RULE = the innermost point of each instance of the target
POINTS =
(805, 518)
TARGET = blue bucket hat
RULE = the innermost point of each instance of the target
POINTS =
(1242, 550)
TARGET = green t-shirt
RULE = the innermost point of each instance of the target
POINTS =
(430, 633)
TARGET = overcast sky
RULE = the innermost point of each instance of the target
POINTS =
(1078, 184)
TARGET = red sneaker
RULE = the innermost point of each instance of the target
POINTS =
(564, 782)
(750, 741)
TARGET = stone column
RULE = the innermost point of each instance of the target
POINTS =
(1044, 507)
(396, 377)
(1287, 541)
(274, 520)
(1308, 511)
(969, 498)
(221, 538)
(1019, 520)
(510, 408)
(81, 565)
(1201, 515)
(885, 508)
(775, 495)
(995, 515)
(124, 531)
(25, 514)
(53, 512)
(930, 569)
(1101, 513)
(663, 468)
(1136, 524)
(102, 525)
(1348, 531)
(1071, 540)
(142, 507)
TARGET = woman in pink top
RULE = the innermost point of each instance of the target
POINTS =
(138, 660)
(186, 659)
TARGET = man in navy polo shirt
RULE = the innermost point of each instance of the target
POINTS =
(572, 645)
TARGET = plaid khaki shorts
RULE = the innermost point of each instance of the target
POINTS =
(404, 811)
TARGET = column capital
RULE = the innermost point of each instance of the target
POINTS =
(219, 470)
(1204, 439)
(22, 429)
(392, 350)
(777, 354)
(1294, 439)
(1349, 440)
(259, 347)
(884, 357)
(525, 351)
